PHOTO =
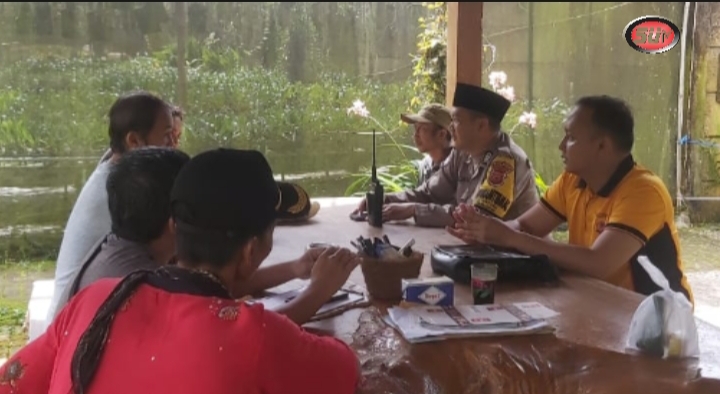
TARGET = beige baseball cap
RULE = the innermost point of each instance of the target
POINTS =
(437, 114)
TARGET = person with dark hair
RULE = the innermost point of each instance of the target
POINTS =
(142, 236)
(174, 138)
(616, 210)
(179, 329)
(486, 169)
(135, 120)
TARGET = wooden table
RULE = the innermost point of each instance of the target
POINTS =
(586, 354)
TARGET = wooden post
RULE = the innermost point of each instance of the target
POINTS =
(464, 46)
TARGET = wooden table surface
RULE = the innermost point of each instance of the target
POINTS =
(586, 354)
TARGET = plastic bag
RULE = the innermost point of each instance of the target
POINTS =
(663, 324)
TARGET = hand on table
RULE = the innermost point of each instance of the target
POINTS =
(332, 269)
(398, 211)
(360, 213)
(361, 208)
(304, 265)
(472, 226)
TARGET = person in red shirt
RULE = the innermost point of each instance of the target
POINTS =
(178, 329)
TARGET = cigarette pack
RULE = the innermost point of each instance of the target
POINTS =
(438, 291)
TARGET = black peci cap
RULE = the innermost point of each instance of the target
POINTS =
(481, 100)
(233, 192)
(229, 192)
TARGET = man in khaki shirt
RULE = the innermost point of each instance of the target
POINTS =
(486, 168)
(432, 137)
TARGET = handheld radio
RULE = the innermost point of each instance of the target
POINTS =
(376, 196)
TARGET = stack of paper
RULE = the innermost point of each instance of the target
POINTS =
(430, 323)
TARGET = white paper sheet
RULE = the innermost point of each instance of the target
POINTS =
(414, 329)
(536, 310)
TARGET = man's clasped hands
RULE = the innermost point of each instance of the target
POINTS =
(473, 226)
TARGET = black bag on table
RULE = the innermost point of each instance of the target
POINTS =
(454, 261)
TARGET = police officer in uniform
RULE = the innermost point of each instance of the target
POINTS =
(486, 168)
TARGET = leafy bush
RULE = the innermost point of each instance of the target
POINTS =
(430, 63)
(59, 106)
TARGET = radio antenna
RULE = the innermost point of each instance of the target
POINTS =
(376, 196)
(374, 168)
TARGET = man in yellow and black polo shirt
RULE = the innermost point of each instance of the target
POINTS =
(616, 210)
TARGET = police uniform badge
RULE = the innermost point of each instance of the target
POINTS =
(497, 191)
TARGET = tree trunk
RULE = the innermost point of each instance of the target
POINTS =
(23, 21)
(363, 36)
(43, 20)
(68, 22)
(97, 31)
(296, 47)
(372, 38)
(322, 18)
(271, 39)
(181, 23)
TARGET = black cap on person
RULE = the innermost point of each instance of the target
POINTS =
(481, 100)
(233, 192)
(226, 192)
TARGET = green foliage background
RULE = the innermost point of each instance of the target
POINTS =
(429, 84)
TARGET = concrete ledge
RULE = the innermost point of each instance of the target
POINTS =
(38, 307)
(337, 201)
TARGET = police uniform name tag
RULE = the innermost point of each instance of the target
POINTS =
(497, 191)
